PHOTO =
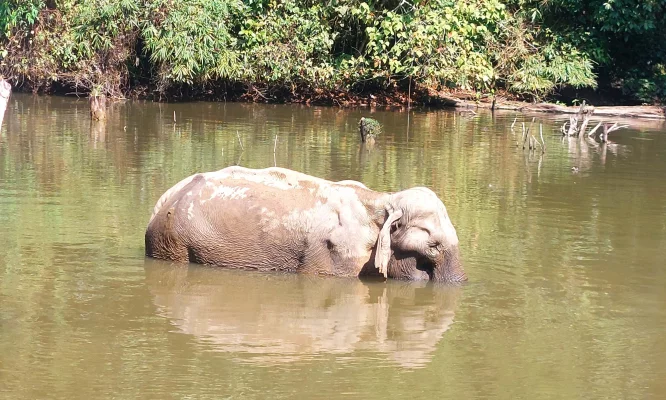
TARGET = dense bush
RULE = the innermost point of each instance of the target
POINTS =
(528, 47)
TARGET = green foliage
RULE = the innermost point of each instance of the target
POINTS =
(190, 40)
(556, 64)
(17, 14)
(98, 23)
(529, 47)
(287, 44)
(442, 43)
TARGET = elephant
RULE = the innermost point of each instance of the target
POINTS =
(282, 318)
(276, 219)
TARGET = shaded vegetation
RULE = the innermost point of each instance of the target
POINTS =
(295, 49)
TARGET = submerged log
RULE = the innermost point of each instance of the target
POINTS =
(654, 112)
(98, 107)
(648, 112)
(5, 92)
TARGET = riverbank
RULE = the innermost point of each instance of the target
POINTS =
(427, 98)
(422, 97)
(394, 98)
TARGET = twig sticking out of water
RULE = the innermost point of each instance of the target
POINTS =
(239, 141)
(527, 136)
(514, 122)
(174, 117)
(543, 142)
(583, 126)
(534, 141)
(274, 150)
(409, 94)
(529, 140)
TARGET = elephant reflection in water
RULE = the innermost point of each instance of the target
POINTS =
(285, 317)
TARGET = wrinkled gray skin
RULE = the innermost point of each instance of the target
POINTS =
(278, 219)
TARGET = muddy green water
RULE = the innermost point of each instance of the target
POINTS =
(567, 292)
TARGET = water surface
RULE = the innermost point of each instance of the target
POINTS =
(567, 279)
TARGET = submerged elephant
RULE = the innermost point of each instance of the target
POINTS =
(282, 220)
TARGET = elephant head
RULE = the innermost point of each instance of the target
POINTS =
(417, 239)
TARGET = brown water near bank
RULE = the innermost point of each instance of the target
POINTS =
(567, 283)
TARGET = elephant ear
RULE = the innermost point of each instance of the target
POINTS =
(383, 250)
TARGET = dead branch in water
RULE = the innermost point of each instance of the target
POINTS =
(527, 136)
(530, 140)
(98, 107)
(591, 133)
(608, 128)
(583, 126)
(571, 128)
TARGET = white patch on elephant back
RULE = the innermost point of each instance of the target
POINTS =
(228, 192)
(337, 193)
(268, 219)
(278, 178)
(305, 220)
(190, 211)
(271, 181)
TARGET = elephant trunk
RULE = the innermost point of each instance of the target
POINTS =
(449, 269)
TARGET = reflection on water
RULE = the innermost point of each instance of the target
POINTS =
(283, 318)
(567, 279)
